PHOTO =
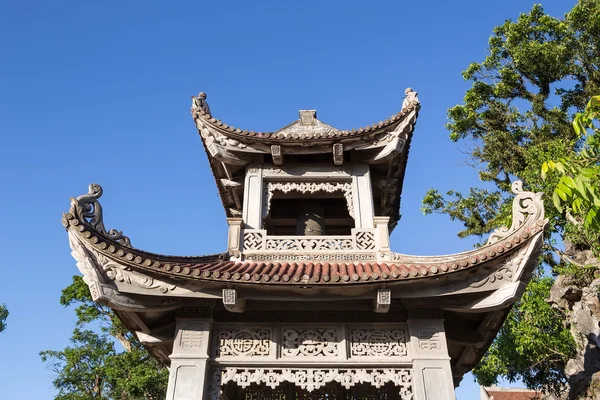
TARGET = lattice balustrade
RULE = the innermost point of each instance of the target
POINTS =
(295, 243)
(256, 241)
(253, 240)
(365, 240)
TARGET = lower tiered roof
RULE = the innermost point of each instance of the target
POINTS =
(473, 289)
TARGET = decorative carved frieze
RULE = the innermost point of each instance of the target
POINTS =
(343, 257)
(257, 240)
(378, 343)
(243, 342)
(311, 379)
(310, 343)
(302, 243)
(308, 187)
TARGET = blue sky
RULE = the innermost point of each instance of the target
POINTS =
(100, 92)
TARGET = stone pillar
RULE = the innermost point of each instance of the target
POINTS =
(253, 197)
(234, 240)
(382, 234)
(190, 359)
(432, 375)
(363, 196)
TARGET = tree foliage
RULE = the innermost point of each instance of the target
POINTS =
(515, 117)
(92, 367)
(577, 192)
(3, 316)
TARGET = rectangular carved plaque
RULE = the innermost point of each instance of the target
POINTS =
(378, 343)
(310, 343)
(243, 343)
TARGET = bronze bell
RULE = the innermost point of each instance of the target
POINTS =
(310, 220)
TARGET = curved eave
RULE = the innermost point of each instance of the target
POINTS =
(218, 269)
(338, 136)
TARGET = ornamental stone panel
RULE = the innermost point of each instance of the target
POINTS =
(320, 343)
(249, 342)
(378, 343)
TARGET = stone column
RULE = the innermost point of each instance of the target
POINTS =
(253, 197)
(382, 234)
(363, 196)
(234, 239)
(190, 359)
(432, 375)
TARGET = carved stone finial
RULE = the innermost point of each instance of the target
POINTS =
(87, 209)
(199, 103)
(308, 117)
(411, 99)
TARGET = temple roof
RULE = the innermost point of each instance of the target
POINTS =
(84, 221)
(306, 127)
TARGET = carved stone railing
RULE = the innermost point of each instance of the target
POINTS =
(257, 241)
(361, 245)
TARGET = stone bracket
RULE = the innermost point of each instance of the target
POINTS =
(383, 301)
(338, 154)
(276, 154)
(232, 302)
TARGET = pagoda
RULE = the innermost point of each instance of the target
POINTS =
(308, 302)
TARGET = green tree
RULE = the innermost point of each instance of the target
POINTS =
(92, 367)
(515, 117)
(3, 316)
(577, 192)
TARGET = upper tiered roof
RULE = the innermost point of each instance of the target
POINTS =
(383, 145)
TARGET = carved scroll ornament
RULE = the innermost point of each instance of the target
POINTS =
(527, 207)
(88, 210)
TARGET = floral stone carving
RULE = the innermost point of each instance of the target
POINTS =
(308, 187)
(243, 342)
(314, 379)
(310, 343)
(378, 343)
